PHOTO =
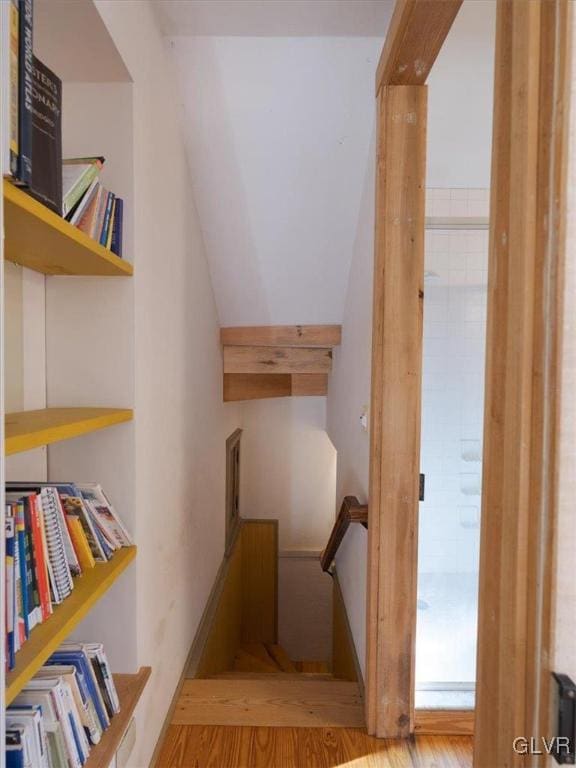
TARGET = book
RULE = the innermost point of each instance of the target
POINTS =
(106, 221)
(9, 34)
(108, 243)
(99, 214)
(10, 587)
(14, 749)
(80, 542)
(25, 86)
(74, 505)
(106, 516)
(86, 220)
(78, 174)
(78, 211)
(46, 174)
(116, 242)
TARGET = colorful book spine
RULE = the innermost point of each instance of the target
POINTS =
(40, 561)
(25, 88)
(106, 220)
(10, 589)
(21, 536)
(116, 244)
(111, 226)
(14, 90)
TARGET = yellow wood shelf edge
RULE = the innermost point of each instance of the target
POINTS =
(31, 429)
(38, 221)
(46, 638)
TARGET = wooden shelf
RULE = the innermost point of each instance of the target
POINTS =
(37, 238)
(25, 430)
(45, 638)
(129, 688)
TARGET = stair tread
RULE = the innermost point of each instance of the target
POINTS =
(271, 702)
(235, 675)
(247, 662)
(312, 666)
(281, 658)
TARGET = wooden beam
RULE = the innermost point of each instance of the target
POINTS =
(309, 384)
(277, 360)
(256, 386)
(282, 336)
(395, 409)
(525, 278)
(415, 36)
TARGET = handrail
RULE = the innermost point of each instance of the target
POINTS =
(351, 511)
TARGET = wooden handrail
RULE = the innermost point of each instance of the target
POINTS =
(351, 511)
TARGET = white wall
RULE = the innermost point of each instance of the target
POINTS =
(289, 469)
(277, 131)
(180, 421)
(460, 90)
(348, 394)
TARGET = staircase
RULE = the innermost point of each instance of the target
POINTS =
(266, 688)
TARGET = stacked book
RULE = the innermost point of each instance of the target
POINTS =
(63, 710)
(53, 532)
(88, 205)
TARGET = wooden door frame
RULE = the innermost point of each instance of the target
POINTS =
(417, 31)
(522, 376)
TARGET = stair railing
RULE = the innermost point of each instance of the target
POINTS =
(351, 511)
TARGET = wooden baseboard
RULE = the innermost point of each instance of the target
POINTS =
(349, 637)
(444, 722)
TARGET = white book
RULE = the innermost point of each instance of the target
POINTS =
(106, 515)
(30, 721)
(54, 736)
(55, 686)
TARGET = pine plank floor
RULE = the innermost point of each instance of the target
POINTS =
(201, 746)
(273, 702)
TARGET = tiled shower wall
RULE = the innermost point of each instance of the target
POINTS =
(453, 384)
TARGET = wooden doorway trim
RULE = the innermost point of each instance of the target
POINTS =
(525, 279)
(417, 31)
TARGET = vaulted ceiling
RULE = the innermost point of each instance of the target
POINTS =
(277, 106)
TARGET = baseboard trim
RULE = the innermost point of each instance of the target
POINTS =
(359, 676)
(444, 722)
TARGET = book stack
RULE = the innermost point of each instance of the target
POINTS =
(53, 532)
(88, 205)
(63, 710)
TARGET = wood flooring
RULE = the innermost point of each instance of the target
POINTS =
(202, 746)
(276, 701)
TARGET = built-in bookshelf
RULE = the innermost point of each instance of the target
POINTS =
(45, 638)
(129, 688)
(31, 429)
(37, 238)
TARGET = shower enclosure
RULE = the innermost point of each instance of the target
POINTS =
(455, 297)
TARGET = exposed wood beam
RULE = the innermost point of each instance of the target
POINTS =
(258, 386)
(309, 384)
(415, 36)
(277, 360)
(282, 336)
(395, 409)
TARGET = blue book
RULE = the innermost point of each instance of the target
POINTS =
(86, 679)
(21, 536)
(116, 244)
(14, 749)
(106, 222)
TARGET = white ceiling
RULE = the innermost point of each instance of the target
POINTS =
(299, 18)
(278, 133)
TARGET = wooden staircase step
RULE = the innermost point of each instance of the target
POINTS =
(281, 658)
(313, 666)
(247, 662)
(302, 703)
(325, 677)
